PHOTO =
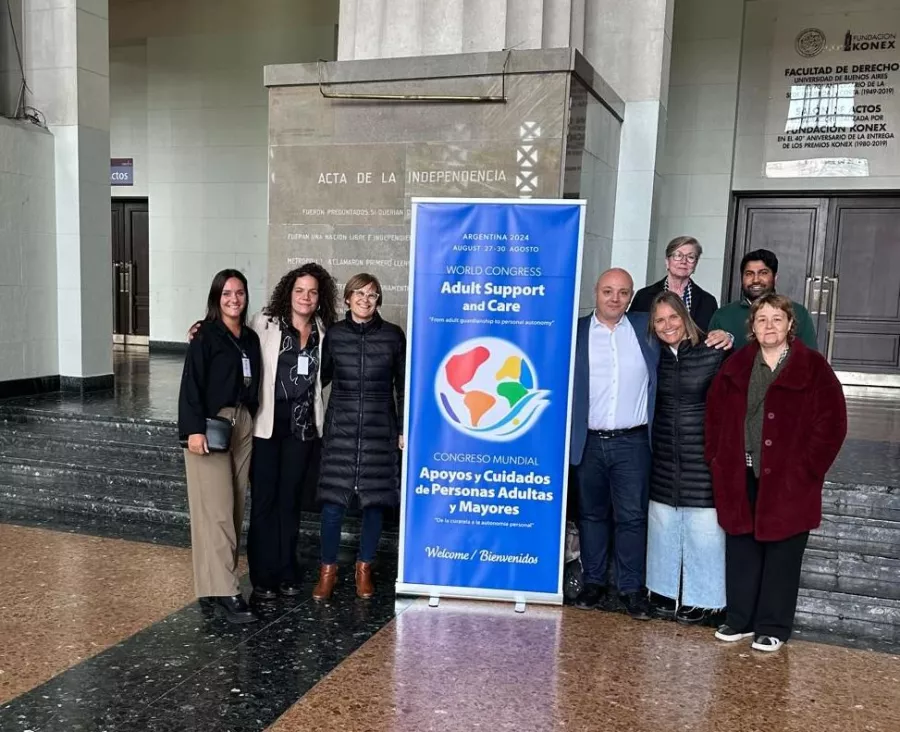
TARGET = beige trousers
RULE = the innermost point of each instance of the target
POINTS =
(217, 489)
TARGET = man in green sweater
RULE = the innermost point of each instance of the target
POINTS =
(759, 273)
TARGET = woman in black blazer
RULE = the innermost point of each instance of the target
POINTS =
(220, 379)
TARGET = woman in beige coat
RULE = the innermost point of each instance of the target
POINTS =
(290, 418)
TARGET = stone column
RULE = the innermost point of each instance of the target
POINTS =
(630, 44)
(66, 49)
(394, 28)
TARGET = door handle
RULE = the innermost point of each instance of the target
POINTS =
(129, 293)
(811, 293)
(832, 315)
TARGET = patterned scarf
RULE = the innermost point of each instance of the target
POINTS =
(687, 292)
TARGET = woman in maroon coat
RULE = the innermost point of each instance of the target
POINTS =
(775, 421)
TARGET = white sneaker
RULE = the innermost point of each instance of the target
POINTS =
(767, 643)
(730, 635)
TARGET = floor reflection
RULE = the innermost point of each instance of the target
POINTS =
(469, 666)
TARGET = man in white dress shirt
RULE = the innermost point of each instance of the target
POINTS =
(612, 410)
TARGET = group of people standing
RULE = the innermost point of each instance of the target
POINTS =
(701, 437)
(263, 378)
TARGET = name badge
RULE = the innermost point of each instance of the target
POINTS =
(245, 364)
(303, 365)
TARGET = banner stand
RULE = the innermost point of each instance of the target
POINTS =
(493, 304)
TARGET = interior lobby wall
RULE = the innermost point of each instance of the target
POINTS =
(205, 163)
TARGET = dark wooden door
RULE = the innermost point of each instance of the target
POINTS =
(117, 237)
(863, 278)
(795, 229)
(131, 268)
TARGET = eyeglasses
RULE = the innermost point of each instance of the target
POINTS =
(679, 257)
(363, 295)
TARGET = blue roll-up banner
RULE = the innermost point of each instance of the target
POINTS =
(493, 301)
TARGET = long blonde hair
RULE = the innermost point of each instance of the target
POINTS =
(675, 302)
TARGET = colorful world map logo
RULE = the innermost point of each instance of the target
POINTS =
(487, 388)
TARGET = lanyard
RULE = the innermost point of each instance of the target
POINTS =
(245, 360)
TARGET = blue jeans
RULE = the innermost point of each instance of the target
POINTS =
(333, 519)
(686, 552)
(613, 493)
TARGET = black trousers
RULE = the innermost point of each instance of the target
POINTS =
(762, 580)
(278, 470)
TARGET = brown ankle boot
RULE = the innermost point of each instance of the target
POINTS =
(365, 588)
(327, 580)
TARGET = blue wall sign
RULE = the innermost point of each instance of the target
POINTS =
(121, 171)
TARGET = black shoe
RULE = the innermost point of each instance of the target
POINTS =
(263, 594)
(234, 609)
(730, 635)
(636, 605)
(687, 615)
(714, 619)
(290, 589)
(590, 597)
(661, 607)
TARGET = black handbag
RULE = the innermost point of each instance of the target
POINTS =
(218, 434)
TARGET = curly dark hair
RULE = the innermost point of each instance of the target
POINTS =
(280, 302)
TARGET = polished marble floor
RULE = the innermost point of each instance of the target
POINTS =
(102, 635)
(99, 631)
(466, 666)
(146, 388)
(68, 597)
(99, 634)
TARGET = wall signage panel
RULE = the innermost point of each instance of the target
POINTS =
(834, 109)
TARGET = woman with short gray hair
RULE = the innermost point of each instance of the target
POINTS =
(364, 358)
(682, 255)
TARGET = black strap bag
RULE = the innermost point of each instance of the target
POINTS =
(218, 433)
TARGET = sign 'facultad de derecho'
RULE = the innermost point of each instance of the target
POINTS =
(834, 108)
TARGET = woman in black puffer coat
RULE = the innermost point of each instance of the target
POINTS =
(364, 358)
(685, 545)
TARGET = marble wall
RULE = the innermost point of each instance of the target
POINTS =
(726, 55)
(28, 280)
(66, 57)
(128, 118)
(342, 171)
(770, 32)
(699, 145)
(591, 164)
(187, 102)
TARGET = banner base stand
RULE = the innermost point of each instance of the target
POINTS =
(519, 599)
